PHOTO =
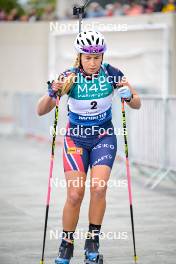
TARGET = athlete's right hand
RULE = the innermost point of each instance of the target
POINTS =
(55, 87)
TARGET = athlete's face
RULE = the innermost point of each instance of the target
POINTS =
(91, 62)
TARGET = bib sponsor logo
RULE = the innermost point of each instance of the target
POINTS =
(100, 116)
(91, 91)
(94, 88)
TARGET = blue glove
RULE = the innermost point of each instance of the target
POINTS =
(125, 93)
(51, 93)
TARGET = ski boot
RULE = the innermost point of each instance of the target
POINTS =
(91, 248)
(65, 253)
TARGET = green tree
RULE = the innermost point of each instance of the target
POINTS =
(8, 5)
(37, 4)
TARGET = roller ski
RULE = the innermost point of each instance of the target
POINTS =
(91, 248)
(65, 253)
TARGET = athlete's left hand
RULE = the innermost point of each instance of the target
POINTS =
(125, 93)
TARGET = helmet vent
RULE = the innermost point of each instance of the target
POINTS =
(88, 40)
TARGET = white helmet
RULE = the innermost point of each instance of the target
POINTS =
(90, 42)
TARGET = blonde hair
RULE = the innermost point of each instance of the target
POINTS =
(71, 78)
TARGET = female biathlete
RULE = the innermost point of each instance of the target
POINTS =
(94, 143)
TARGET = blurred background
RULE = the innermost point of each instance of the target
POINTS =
(36, 44)
(46, 10)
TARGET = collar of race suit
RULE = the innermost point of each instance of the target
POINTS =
(89, 77)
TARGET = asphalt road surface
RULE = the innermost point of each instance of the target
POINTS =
(24, 166)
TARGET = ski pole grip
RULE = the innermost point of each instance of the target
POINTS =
(59, 93)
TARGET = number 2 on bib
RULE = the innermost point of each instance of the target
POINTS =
(94, 104)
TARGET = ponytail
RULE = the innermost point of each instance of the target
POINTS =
(71, 78)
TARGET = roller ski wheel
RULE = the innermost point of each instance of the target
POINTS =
(91, 248)
(65, 253)
(98, 259)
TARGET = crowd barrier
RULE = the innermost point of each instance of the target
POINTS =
(151, 130)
